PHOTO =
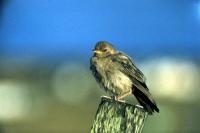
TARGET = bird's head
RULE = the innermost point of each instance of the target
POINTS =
(103, 49)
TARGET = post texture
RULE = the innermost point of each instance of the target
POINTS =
(118, 117)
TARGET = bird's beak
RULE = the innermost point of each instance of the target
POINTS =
(97, 52)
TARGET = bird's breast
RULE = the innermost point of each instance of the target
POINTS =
(121, 82)
(113, 80)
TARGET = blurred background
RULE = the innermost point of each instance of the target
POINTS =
(45, 46)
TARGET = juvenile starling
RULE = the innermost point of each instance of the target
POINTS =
(118, 76)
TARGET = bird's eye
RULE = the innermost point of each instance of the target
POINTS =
(104, 50)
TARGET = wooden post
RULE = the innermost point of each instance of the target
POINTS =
(118, 117)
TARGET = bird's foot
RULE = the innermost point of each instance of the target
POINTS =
(107, 97)
(122, 101)
(113, 98)
(125, 94)
(139, 106)
(118, 99)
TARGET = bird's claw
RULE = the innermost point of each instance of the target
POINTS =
(113, 98)
(139, 106)
(123, 101)
(119, 100)
(106, 97)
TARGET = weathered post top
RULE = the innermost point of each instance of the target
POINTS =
(118, 117)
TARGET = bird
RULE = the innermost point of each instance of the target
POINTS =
(117, 74)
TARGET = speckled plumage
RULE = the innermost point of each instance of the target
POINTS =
(110, 77)
(117, 75)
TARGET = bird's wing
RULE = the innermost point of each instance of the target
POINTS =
(140, 90)
(126, 65)
(94, 70)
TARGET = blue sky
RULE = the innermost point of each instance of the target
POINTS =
(48, 26)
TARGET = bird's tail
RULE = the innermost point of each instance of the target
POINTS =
(146, 100)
